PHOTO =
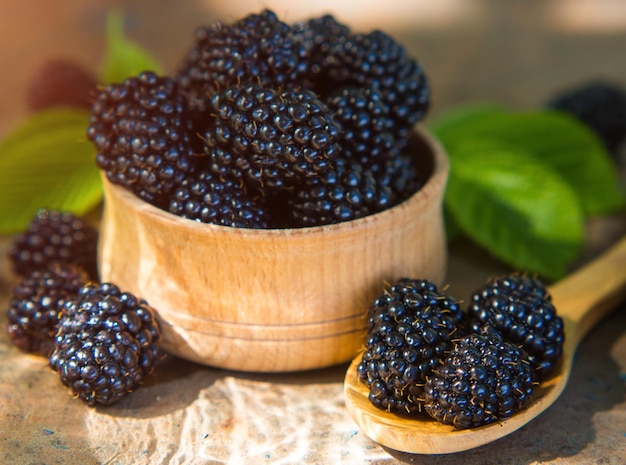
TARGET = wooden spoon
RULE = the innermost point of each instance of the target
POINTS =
(581, 299)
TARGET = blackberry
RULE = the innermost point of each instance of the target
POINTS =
(376, 60)
(409, 331)
(275, 139)
(258, 47)
(601, 106)
(347, 192)
(319, 35)
(35, 303)
(107, 342)
(210, 198)
(144, 135)
(519, 309)
(483, 379)
(367, 124)
(61, 82)
(55, 236)
(398, 172)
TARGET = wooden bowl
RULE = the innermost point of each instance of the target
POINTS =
(276, 299)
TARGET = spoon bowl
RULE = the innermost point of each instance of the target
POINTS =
(582, 299)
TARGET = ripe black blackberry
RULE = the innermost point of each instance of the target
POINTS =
(55, 236)
(367, 135)
(210, 198)
(345, 193)
(376, 60)
(35, 303)
(60, 82)
(483, 379)
(519, 309)
(319, 35)
(600, 105)
(107, 342)
(410, 328)
(275, 139)
(258, 47)
(399, 173)
(144, 135)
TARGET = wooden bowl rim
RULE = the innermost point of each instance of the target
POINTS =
(431, 191)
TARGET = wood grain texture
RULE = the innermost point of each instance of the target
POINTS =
(272, 300)
(581, 299)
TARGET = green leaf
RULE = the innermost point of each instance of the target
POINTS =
(515, 207)
(47, 162)
(465, 116)
(569, 147)
(123, 58)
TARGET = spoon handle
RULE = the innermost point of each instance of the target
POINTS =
(587, 295)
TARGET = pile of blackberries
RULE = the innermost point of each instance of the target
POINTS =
(268, 125)
(101, 341)
(463, 368)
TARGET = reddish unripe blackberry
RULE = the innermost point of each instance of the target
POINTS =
(482, 380)
(347, 192)
(210, 198)
(61, 82)
(600, 105)
(144, 135)
(367, 124)
(35, 303)
(410, 328)
(259, 47)
(519, 309)
(55, 236)
(275, 139)
(376, 60)
(106, 344)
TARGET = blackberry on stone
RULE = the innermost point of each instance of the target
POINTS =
(210, 198)
(410, 329)
(258, 47)
(274, 138)
(144, 135)
(376, 60)
(106, 344)
(519, 309)
(367, 135)
(35, 302)
(345, 193)
(483, 379)
(61, 82)
(601, 105)
(55, 236)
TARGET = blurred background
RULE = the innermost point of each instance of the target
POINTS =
(515, 52)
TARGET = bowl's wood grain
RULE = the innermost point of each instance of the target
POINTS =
(271, 300)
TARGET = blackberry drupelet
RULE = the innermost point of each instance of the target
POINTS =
(61, 83)
(601, 106)
(210, 198)
(347, 192)
(483, 379)
(367, 135)
(410, 328)
(35, 302)
(144, 136)
(519, 309)
(275, 139)
(107, 342)
(376, 60)
(398, 173)
(259, 47)
(55, 236)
